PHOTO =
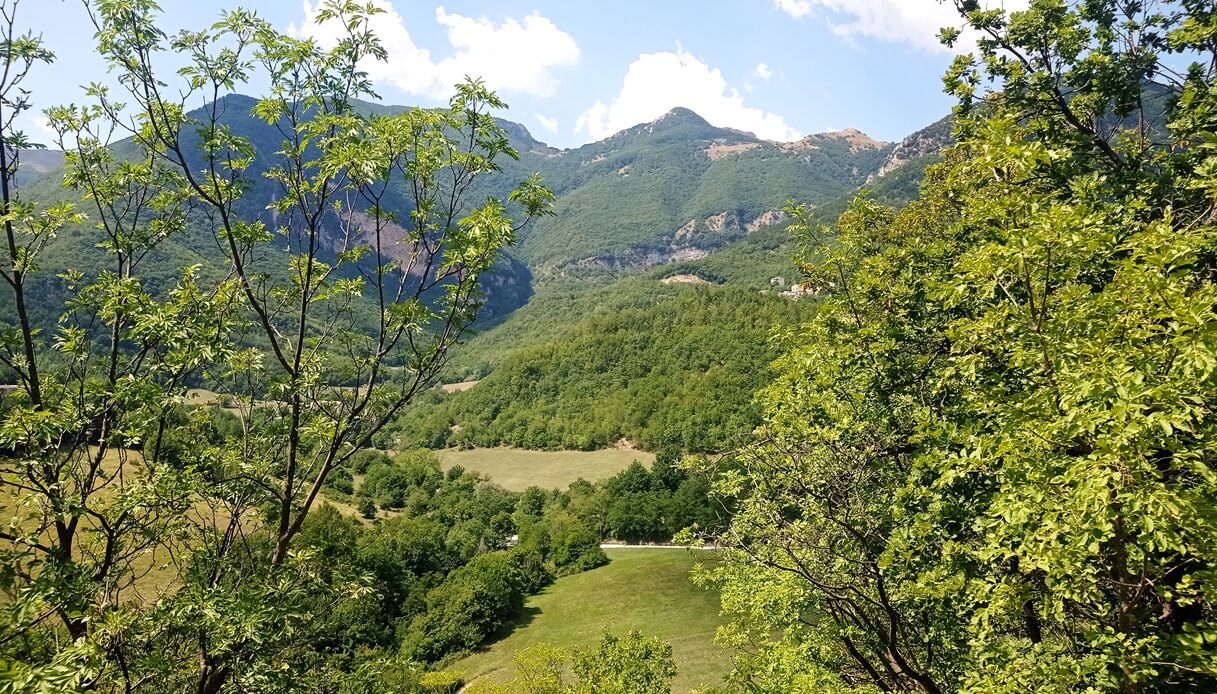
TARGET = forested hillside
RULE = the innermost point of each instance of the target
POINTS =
(660, 365)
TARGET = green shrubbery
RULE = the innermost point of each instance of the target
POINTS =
(441, 572)
(669, 366)
(989, 464)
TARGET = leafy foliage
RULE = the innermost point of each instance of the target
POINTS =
(633, 664)
(987, 465)
(101, 489)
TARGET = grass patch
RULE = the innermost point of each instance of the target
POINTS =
(644, 589)
(518, 469)
(458, 387)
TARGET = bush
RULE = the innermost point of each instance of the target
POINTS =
(468, 606)
(533, 572)
(340, 480)
(631, 665)
(411, 473)
(577, 548)
(441, 682)
(367, 508)
(367, 458)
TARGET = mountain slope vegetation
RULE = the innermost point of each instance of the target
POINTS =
(661, 365)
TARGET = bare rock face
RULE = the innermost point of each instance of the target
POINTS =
(686, 232)
(523, 139)
(692, 241)
(722, 221)
(766, 219)
(728, 222)
(683, 279)
(858, 140)
(721, 150)
(929, 140)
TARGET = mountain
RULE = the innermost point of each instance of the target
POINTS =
(507, 287)
(928, 141)
(674, 190)
(677, 188)
(898, 178)
(630, 334)
(37, 162)
(902, 170)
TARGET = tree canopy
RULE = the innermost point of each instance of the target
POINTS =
(987, 465)
(155, 546)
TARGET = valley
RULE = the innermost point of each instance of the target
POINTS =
(324, 370)
(629, 330)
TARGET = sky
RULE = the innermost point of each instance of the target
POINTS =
(576, 72)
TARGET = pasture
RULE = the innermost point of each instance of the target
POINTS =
(517, 469)
(644, 589)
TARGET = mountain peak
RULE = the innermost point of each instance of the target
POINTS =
(683, 122)
(676, 116)
(681, 113)
(522, 139)
(856, 139)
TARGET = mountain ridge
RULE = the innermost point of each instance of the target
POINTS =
(674, 189)
(684, 114)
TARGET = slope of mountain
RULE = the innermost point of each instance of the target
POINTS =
(37, 162)
(671, 189)
(928, 141)
(638, 359)
(507, 287)
(676, 188)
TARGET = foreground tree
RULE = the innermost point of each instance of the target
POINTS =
(988, 466)
(338, 306)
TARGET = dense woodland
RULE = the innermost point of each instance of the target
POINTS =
(979, 458)
(659, 365)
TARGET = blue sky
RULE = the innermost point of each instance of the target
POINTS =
(574, 72)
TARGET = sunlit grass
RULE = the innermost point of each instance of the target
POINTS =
(517, 469)
(644, 589)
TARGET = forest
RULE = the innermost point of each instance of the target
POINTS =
(658, 365)
(977, 456)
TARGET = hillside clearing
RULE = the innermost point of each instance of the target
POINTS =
(458, 387)
(518, 469)
(648, 590)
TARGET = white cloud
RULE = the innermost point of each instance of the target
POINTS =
(511, 55)
(794, 8)
(43, 133)
(655, 83)
(550, 124)
(915, 22)
(763, 71)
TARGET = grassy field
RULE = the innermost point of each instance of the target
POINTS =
(458, 387)
(644, 589)
(518, 469)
